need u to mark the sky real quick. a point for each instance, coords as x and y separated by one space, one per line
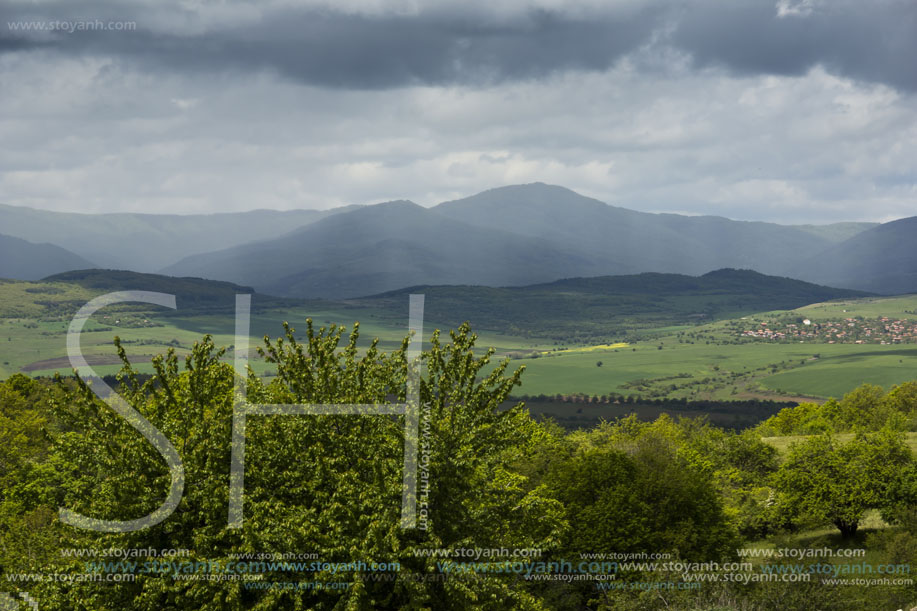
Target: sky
789 111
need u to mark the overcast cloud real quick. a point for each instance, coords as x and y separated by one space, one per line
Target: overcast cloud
787 111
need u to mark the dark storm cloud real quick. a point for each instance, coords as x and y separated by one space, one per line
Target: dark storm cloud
325 48
356 51
870 41
460 44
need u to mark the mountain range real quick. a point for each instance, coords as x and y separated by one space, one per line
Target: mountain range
384 247
148 242
509 236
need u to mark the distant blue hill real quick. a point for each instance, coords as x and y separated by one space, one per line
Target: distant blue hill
24 260
509 236
882 259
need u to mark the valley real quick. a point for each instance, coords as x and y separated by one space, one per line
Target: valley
646 349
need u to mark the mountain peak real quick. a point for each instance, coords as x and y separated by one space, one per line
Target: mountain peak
531 187
732 272
396 203
533 192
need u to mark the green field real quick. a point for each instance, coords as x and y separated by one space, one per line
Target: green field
897 307
715 370
38 347
681 361
836 374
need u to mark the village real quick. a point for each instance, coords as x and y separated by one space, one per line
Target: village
882 330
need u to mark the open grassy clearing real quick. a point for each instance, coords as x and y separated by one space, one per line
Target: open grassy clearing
783 443
716 365
822 538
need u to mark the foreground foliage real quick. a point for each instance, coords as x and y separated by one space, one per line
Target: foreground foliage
328 489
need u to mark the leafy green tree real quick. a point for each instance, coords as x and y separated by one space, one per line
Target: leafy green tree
804 419
325 484
28 537
865 408
902 399
628 488
862 408
901 500
837 483
21 424
740 465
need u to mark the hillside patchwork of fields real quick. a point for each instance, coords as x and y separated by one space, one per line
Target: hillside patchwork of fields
682 359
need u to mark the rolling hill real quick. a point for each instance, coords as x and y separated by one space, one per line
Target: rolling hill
24 260
195 293
601 308
571 311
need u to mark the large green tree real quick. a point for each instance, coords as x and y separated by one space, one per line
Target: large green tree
329 485
649 501
637 487
837 482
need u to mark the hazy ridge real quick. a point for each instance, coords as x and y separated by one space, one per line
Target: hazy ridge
509 236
